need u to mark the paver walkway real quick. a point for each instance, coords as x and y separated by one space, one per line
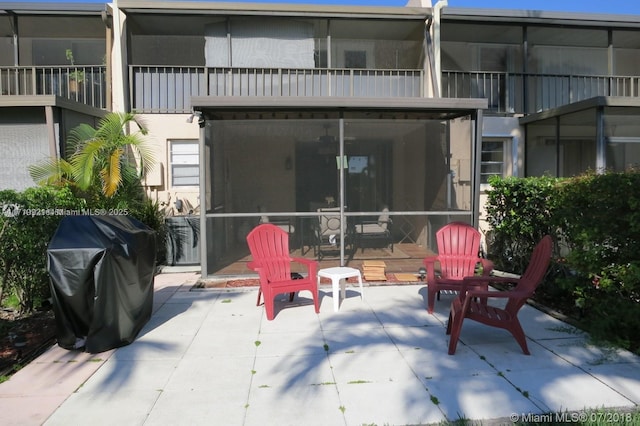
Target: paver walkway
211 357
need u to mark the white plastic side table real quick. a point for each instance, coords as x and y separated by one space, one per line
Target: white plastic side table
338 277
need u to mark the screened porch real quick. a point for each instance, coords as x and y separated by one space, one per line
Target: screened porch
303 166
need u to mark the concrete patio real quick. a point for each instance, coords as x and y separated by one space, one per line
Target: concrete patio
211 357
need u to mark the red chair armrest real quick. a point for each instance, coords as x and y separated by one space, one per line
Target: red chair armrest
490 279
312 265
471 294
430 260
472 286
303 260
487 266
430 264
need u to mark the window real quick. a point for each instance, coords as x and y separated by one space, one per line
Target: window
355 59
185 168
492 162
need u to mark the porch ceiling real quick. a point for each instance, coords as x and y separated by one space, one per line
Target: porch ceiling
49 101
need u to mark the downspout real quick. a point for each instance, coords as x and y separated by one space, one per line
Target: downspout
119 72
435 93
342 165
329 55
16 47
476 160
601 142
51 132
203 173
14 31
108 23
433 44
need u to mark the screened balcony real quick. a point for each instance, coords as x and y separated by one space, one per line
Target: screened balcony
522 93
524 67
174 58
84 84
168 89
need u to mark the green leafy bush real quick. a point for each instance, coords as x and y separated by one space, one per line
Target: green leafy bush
28 222
595 219
30 218
519 212
600 221
100 176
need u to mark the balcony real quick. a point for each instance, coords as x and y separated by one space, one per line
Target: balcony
168 89
528 93
84 84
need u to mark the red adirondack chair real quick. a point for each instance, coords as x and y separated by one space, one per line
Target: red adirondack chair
458 255
467 306
269 247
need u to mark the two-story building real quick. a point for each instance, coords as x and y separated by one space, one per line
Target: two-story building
280 111
52 78
563 88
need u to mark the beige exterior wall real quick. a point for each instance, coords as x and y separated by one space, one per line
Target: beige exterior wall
509 130
163 128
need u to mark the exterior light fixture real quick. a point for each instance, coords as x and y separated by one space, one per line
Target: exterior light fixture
195 114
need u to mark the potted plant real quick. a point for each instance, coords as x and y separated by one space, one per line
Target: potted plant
76 76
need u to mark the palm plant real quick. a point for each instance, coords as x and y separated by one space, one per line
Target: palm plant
52 172
102 158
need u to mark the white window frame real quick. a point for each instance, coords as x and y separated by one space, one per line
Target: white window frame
183 159
507 169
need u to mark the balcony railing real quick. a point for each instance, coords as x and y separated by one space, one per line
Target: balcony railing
85 84
529 93
168 89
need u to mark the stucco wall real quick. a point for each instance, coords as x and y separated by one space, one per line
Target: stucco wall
162 129
507 128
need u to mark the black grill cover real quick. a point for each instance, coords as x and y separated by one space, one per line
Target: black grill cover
102 270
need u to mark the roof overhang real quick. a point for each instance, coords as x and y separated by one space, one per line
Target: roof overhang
438 108
540 17
277 9
50 101
37 8
598 101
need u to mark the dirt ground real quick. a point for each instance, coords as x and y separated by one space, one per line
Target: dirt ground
23 338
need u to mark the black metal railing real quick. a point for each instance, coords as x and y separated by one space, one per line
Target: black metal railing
85 84
529 93
170 88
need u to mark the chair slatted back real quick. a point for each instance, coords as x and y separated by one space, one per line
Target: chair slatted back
534 274
269 247
458 248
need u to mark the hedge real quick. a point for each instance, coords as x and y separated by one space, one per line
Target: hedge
595 221
28 222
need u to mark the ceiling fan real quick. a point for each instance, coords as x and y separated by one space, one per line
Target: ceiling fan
327 138
330 139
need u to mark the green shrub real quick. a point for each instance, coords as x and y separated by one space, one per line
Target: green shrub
149 213
29 220
519 213
596 218
599 217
